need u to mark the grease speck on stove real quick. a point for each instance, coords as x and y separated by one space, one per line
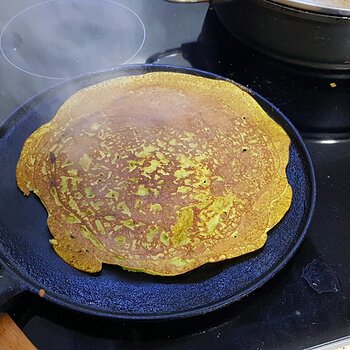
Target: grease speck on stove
321 277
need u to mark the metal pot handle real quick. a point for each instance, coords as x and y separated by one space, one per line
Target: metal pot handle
9 286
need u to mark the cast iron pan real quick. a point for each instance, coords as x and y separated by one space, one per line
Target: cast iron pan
30 264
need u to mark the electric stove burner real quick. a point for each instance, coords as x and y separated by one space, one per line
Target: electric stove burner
59 39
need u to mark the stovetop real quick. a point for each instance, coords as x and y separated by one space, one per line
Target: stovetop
307 302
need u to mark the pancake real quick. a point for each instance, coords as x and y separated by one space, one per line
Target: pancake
160 173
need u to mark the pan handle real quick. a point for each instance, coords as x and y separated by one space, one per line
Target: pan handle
184 50
164 54
9 287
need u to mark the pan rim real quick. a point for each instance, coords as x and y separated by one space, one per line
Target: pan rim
313 8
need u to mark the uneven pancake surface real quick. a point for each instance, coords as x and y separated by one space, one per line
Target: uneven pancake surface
160 173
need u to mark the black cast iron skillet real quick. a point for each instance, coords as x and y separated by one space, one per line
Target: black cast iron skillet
30 264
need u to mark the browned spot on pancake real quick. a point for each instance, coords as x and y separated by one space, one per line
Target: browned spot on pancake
52 157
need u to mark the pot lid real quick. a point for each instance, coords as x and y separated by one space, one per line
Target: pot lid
330 7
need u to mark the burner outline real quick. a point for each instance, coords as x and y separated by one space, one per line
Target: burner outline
62 1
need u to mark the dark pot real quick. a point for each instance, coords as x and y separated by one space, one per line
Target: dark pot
291 30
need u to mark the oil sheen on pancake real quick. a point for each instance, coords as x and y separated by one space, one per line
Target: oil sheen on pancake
161 173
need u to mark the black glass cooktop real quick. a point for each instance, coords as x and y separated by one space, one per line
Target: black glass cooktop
307 302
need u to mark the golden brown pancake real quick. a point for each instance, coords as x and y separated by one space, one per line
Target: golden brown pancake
160 173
